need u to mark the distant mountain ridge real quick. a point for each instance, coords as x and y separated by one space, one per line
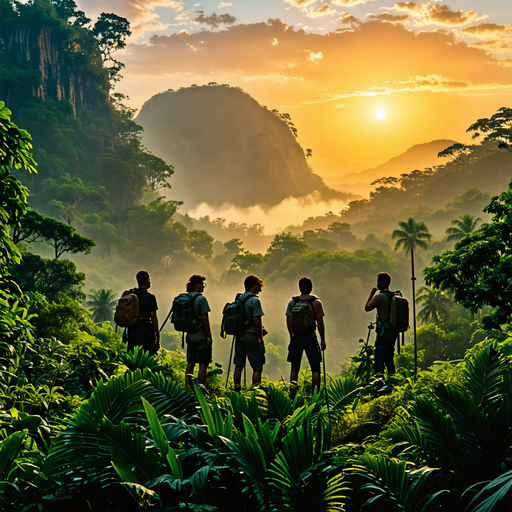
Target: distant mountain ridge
226 148
418 156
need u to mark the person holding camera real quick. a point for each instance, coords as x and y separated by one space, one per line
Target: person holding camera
250 343
386 334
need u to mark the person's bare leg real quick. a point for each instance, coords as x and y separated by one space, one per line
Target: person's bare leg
294 381
201 376
237 375
316 380
189 373
256 376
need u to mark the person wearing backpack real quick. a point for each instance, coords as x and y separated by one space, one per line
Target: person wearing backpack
249 343
199 343
303 315
386 334
145 332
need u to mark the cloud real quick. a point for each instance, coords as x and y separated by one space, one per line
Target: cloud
389 51
300 3
315 56
389 18
486 29
499 46
215 20
348 19
443 15
321 11
224 4
415 8
349 3
436 14
140 13
433 83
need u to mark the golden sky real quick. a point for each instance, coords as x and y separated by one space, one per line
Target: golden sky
434 67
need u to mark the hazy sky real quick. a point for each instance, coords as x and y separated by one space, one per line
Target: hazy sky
433 67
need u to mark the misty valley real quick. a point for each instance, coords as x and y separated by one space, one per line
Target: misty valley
204 203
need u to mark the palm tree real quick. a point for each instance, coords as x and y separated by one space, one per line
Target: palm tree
464 224
102 303
411 235
435 304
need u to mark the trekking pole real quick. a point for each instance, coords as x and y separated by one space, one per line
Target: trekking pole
230 356
325 389
366 354
166 318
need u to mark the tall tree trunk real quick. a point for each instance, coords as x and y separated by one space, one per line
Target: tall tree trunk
413 279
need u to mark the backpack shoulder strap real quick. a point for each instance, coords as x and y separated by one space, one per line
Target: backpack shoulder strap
389 294
312 299
296 299
245 299
192 301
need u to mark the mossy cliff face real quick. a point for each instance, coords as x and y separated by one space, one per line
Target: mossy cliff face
45 57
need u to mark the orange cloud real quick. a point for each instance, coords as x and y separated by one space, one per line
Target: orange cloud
389 18
299 3
370 54
415 8
438 14
486 29
498 46
349 3
348 19
321 11
141 13
443 15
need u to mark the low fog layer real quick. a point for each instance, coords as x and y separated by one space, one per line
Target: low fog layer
226 148
290 211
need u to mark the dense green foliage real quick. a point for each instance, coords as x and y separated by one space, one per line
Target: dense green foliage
479 269
85 425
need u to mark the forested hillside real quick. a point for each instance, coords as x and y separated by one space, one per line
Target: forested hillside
87 425
226 148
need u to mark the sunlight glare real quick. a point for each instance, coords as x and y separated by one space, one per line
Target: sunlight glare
380 114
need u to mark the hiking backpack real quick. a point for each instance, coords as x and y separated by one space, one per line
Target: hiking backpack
234 318
303 316
398 311
183 315
127 309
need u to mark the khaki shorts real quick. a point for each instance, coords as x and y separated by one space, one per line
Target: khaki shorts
199 352
247 345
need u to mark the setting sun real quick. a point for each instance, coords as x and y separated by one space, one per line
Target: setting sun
380 114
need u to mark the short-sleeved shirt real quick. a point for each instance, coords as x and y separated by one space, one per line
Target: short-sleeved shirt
381 302
252 308
147 304
201 306
318 307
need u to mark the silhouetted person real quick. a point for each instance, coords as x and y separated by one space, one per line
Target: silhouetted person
250 343
145 333
199 344
386 335
305 339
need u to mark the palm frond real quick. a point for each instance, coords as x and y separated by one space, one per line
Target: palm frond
343 392
279 405
500 487
483 374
